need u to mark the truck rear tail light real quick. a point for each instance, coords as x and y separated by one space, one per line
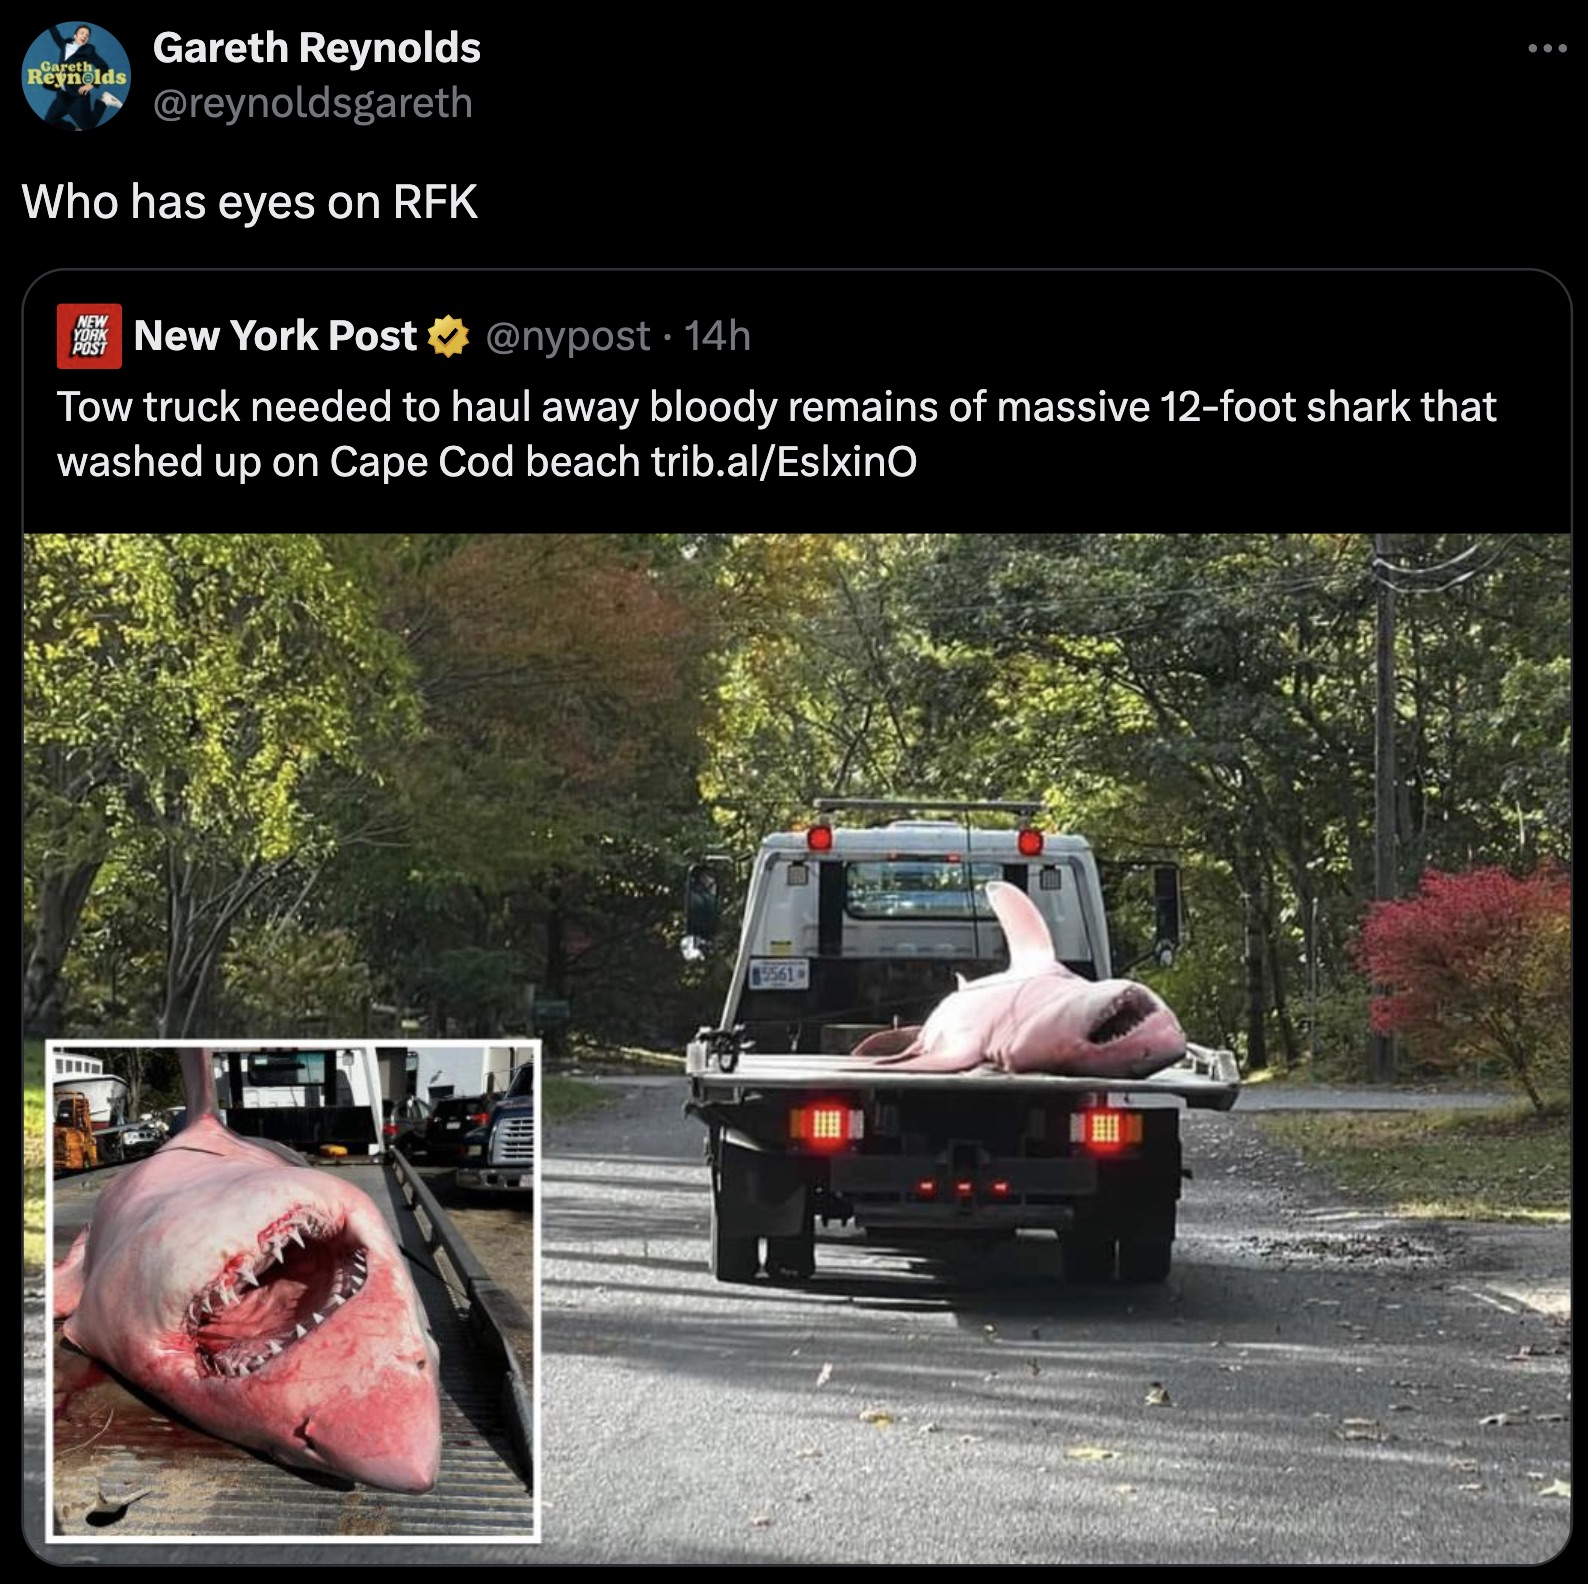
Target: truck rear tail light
826 1125
926 1189
1000 1188
819 838
1102 1130
1029 842
964 1187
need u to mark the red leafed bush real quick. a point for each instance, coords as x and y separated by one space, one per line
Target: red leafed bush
1477 964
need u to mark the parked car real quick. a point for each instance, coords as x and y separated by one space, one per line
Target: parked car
450 1120
404 1125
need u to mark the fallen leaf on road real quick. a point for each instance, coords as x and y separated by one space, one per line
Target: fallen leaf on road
1360 1430
1469 1487
1495 1419
1464 1465
825 1375
1089 1454
876 1416
760 1520
1158 1396
808 1452
1557 1488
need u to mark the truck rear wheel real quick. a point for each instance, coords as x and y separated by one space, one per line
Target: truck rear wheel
1088 1258
1144 1259
734 1258
792 1258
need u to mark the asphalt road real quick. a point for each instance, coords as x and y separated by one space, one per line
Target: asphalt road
1328 1376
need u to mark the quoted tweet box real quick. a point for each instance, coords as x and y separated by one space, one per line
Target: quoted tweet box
1156 397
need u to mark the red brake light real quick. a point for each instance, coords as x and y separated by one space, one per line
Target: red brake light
819 838
1029 842
480 1118
825 1125
1000 1188
389 1130
964 1187
926 1189
1104 1130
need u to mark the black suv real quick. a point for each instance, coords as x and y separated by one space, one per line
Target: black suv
451 1121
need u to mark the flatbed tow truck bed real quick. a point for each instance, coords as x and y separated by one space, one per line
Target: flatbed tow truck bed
1210 1082
123 1467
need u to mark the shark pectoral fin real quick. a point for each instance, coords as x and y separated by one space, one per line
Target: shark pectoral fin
889 1042
69 1277
945 1059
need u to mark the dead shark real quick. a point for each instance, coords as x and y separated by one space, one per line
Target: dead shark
1037 1016
264 1300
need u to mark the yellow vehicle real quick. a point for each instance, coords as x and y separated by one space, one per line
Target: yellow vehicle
75 1147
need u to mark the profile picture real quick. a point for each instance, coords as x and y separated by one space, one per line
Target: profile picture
75 75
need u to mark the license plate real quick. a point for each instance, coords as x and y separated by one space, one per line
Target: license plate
780 973
452 1127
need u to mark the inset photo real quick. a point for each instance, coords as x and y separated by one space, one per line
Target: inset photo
295 1290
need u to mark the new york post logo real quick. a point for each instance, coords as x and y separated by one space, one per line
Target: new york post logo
88 335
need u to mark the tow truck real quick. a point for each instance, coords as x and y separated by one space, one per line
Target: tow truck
850 929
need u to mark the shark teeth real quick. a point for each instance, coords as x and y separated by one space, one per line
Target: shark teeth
1127 1011
237 1358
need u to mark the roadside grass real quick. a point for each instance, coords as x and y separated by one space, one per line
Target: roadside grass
1502 1165
33 1116
565 1098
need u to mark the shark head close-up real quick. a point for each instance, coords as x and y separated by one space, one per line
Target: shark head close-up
265 1301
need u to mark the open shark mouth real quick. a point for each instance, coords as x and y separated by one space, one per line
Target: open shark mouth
307 1268
1129 1010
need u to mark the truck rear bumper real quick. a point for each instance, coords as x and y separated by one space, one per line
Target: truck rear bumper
925 1193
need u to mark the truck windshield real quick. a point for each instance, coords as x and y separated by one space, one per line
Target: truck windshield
918 888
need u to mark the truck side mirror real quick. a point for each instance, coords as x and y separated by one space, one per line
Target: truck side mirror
702 911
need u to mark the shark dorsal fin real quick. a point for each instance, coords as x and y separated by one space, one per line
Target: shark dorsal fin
1025 930
198 1084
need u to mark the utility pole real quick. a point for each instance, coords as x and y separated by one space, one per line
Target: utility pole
1384 879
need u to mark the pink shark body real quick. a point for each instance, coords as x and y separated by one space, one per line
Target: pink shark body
263 1300
1037 1016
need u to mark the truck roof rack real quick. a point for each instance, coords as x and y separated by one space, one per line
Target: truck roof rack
1024 810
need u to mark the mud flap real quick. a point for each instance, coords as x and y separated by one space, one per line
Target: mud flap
758 1193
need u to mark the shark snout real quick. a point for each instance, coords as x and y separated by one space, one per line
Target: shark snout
390 1439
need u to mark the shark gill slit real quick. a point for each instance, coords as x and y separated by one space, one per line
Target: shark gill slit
306 1269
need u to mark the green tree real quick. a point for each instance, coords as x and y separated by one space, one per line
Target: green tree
184 695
